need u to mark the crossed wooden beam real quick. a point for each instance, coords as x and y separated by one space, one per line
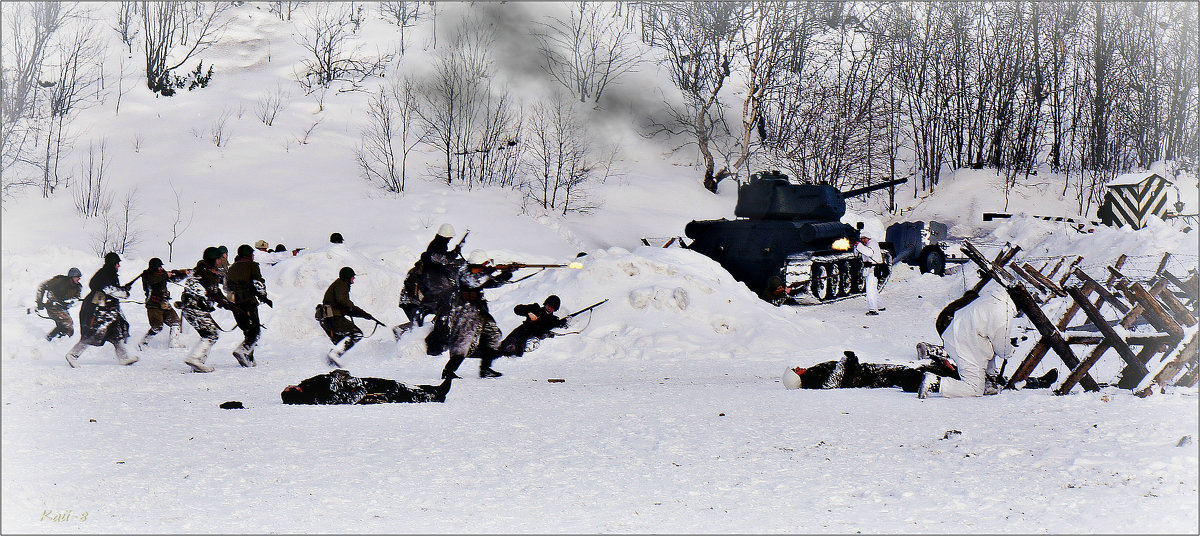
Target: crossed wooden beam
1167 305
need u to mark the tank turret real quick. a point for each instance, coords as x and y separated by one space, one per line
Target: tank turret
787 234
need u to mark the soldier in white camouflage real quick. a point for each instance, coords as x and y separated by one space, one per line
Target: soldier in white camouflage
55 296
100 317
473 330
201 296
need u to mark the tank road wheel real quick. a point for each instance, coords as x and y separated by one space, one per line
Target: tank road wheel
831 286
817 281
845 283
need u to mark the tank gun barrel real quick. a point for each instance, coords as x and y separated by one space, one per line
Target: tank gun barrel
873 187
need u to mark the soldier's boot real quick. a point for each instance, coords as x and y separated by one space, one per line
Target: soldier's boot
145 342
173 334
931 383
199 354
485 365
334 357
54 333
73 354
123 357
244 355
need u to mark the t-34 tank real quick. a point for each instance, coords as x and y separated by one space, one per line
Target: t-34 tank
792 232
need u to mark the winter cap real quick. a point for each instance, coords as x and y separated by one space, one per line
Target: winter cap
552 301
446 230
74 272
791 378
260 244
212 254
245 250
346 273
111 259
335 238
477 256
155 262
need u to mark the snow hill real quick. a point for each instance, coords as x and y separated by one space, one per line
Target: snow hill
670 418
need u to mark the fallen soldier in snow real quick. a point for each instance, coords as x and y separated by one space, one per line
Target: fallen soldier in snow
339 387
849 373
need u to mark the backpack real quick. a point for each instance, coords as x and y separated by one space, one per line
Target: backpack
947 315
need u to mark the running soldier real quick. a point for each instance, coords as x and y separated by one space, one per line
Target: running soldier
100 317
200 292
334 312
246 282
56 295
431 284
473 330
158 303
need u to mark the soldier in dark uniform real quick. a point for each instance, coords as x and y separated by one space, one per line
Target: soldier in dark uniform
473 330
55 296
201 296
100 317
334 314
158 302
339 387
245 281
538 323
431 283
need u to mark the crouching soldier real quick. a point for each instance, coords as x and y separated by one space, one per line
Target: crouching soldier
473 330
55 296
100 317
974 337
334 312
538 323
246 283
200 292
158 303
339 387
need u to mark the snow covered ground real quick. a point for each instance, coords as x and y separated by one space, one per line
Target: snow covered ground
670 418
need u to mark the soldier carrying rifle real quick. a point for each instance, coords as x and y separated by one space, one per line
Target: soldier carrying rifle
56 295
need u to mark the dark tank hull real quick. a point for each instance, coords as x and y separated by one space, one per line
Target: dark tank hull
786 233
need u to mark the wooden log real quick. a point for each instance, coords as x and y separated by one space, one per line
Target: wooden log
1103 292
1063 282
1180 359
1042 345
1024 302
1056 267
1020 272
1153 311
1178 310
1077 373
1141 339
1163 263
1110 334
1045 281
1191 291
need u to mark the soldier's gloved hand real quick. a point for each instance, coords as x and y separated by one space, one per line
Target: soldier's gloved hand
268 302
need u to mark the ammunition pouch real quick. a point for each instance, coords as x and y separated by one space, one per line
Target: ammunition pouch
324 311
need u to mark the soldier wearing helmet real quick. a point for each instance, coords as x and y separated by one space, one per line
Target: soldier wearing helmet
472 329
100 316
55 296
334 313
158 302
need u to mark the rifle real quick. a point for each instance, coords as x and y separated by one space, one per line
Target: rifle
586 309
458 248
129 285
519 265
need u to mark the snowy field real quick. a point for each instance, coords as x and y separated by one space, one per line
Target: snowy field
670 417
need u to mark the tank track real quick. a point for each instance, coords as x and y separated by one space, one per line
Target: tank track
826 276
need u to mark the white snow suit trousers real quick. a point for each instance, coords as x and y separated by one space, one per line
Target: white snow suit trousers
975 338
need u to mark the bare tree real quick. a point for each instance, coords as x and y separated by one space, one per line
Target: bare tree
91 188
76 64
699 40
270 104
391 120
126 26
561 165
179 224
587 50
173 32
282 9
402 13
326 36
218 132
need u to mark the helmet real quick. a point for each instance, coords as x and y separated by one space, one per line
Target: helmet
224 250
279 247
335 238
155 262
791 378
346 273
477 256
552 301
446 230
212 254
111 259
260 244
74 272
245 250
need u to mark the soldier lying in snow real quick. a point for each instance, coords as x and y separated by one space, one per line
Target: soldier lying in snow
339 387
849 373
